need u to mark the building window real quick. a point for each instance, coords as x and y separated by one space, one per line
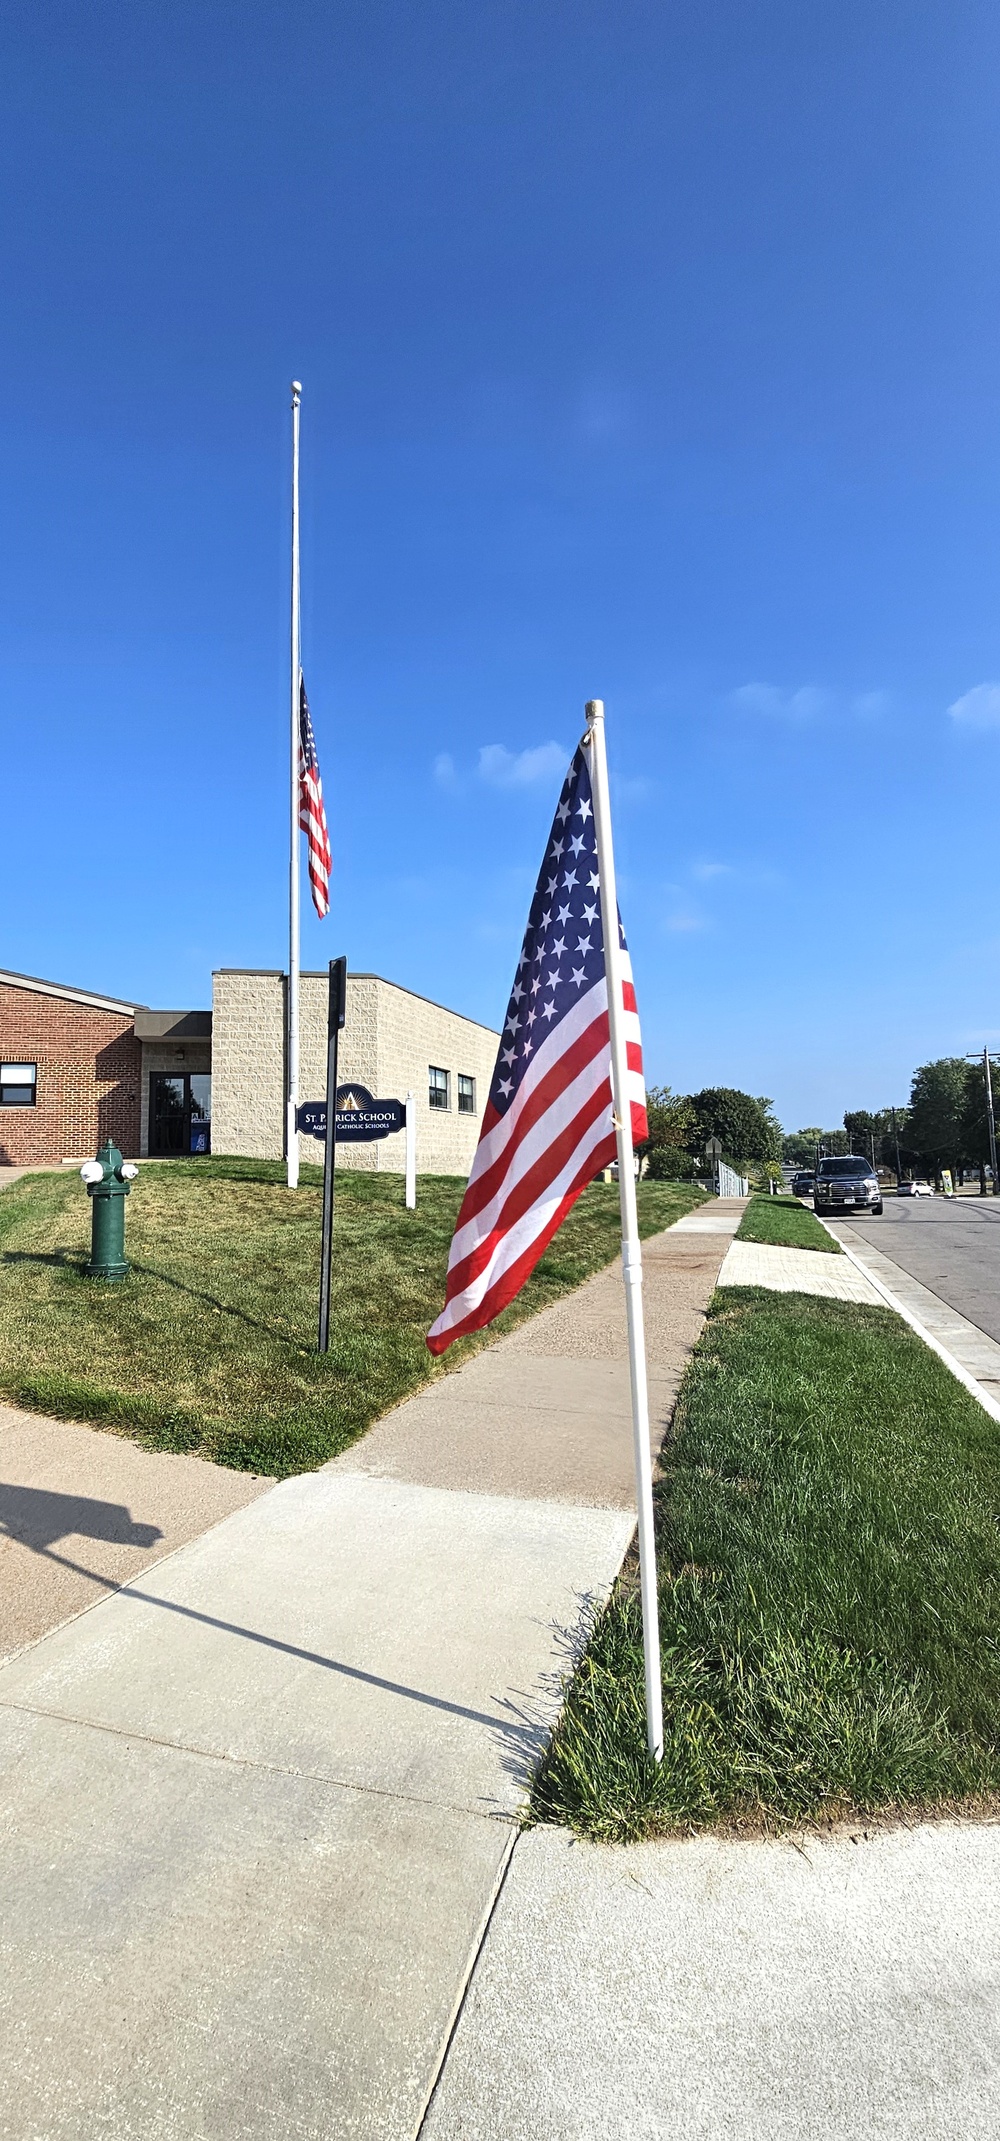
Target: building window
18 1084
438 1087
466 1094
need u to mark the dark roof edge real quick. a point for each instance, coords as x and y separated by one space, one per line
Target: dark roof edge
151 1025
75 996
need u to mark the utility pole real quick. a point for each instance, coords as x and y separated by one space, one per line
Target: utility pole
895 1137
990 1122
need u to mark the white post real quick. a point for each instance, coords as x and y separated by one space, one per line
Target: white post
291 1133
631 1252
411 1153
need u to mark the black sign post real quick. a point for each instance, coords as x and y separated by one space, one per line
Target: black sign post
335 1020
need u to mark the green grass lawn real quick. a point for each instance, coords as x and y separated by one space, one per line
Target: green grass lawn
784 1222
209 1344
829 1560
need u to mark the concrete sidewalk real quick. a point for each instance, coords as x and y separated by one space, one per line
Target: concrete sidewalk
808 1988
802 1271
840 1988
81 1511
259 1802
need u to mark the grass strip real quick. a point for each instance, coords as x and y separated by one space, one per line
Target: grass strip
786 1224
829 1586
210 1343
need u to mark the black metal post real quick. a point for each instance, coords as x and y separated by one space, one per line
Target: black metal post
335 1020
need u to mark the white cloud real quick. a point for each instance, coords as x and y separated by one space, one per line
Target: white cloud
444 771
777 704
978 708
522 769
705 871
680 916
754 874
684 921
632 788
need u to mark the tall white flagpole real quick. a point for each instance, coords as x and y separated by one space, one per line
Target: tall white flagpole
291 1133
631 1252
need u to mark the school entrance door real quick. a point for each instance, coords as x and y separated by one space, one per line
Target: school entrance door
180 1113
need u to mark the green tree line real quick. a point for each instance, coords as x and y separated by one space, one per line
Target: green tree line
680 1125
944 1124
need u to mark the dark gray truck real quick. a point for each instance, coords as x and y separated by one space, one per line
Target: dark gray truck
849 1184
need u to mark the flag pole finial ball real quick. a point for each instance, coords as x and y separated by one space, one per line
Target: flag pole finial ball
296 386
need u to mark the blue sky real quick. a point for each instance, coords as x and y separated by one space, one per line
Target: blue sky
648 353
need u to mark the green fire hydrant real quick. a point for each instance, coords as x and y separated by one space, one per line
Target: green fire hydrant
109 1179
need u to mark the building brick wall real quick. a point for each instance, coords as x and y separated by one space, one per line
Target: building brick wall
390 1039
88 1077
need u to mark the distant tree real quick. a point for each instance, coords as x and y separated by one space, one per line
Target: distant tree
888 1128
671 1120
864 1133
666 1163
767 1171
975 1118
746 1128
777 1134
799 1147
938 1099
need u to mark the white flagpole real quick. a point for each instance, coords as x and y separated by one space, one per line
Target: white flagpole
631 1252
291 1133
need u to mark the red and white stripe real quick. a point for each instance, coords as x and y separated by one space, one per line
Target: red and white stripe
312 819
533 1162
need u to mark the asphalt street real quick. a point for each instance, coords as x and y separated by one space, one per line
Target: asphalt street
950 1244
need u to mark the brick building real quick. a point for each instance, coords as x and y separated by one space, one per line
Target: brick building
77 1068
71 1072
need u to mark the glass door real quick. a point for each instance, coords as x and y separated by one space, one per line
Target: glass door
180 1113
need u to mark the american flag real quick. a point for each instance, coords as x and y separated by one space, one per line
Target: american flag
548 1127
312 816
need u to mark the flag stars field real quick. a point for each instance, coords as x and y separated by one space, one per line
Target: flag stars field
549 1126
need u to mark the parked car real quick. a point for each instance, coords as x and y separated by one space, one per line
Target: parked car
915 1189
847 1184
803 1184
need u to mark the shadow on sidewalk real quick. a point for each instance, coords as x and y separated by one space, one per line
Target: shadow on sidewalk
55 1515
36 1518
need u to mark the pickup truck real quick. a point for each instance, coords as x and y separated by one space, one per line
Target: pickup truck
847 1185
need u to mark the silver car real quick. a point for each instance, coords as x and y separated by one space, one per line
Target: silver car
847 1185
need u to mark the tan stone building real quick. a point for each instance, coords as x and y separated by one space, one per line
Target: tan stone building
76 1068
393 1042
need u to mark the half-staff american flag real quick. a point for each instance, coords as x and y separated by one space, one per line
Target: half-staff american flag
312 816
548 1127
